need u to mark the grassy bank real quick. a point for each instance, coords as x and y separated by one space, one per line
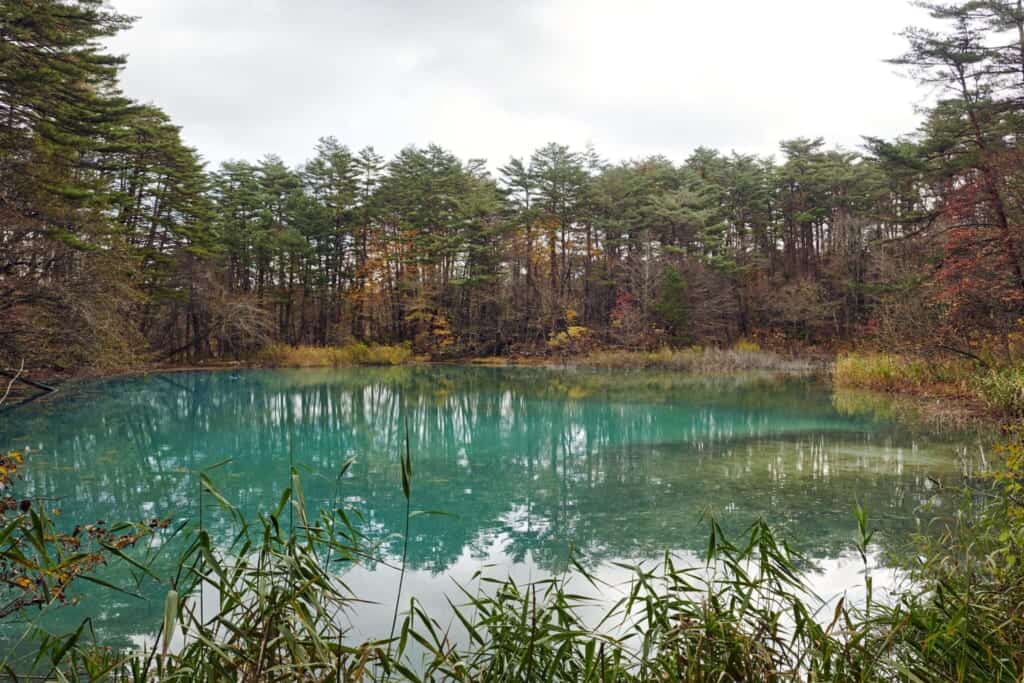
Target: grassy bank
743 357
355 354
697 360
998 387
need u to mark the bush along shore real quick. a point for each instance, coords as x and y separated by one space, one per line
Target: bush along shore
994 385
747 615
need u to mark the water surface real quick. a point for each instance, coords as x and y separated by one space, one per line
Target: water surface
529 465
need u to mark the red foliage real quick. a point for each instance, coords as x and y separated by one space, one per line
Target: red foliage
976 281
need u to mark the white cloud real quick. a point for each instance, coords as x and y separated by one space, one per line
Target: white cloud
489 79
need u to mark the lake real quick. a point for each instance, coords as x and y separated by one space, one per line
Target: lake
529 465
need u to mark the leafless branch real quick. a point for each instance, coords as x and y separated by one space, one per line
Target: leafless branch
11 383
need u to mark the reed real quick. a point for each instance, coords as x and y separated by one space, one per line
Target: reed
746 614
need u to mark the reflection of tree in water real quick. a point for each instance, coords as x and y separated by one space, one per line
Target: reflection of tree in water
615 465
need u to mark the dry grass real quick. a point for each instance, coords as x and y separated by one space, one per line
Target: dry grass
999 387
285 356
894 373
744 357
496 361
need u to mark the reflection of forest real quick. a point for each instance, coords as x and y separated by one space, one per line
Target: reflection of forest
613 465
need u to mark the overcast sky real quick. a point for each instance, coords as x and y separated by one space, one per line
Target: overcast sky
492 79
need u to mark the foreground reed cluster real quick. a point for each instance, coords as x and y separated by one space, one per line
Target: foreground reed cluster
746 614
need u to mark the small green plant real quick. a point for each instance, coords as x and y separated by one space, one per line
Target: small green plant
278 600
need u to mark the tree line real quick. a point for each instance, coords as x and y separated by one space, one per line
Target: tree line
117 243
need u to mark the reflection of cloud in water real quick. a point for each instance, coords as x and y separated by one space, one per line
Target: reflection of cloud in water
519 520
831 579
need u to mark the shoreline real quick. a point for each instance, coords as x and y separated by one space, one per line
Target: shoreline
920 403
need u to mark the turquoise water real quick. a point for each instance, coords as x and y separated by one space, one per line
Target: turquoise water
529 465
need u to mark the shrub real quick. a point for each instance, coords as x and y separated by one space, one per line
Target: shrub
1002 389
746 346
40 560
574 339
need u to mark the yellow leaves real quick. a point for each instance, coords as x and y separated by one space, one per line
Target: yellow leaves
571 339
746 346
547 223
43 561
9 466
576 393
442 332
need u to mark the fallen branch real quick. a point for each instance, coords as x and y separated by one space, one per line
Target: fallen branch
11 383
965 354
15 377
